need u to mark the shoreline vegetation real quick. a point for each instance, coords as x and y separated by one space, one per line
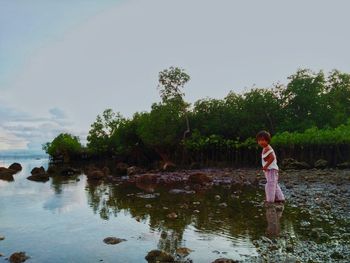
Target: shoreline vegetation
309 119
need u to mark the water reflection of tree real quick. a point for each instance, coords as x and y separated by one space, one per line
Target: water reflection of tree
233 220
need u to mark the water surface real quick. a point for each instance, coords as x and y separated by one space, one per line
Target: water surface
66 220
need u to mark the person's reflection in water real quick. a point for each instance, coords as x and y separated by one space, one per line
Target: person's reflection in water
169 241
273 216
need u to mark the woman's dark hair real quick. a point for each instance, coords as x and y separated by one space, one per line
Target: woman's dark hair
263 135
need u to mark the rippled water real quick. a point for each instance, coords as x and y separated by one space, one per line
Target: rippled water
67 220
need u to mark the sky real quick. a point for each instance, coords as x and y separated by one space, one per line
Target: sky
63 62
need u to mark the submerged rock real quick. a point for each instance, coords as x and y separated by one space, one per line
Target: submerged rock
16 167
199 178
172 215
18 257
181 191
159 256
183 251
224 260
113 240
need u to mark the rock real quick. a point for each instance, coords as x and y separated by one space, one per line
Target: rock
2 238
39 177
159 256
121 168
199 178
106 171
6 174
132 170
113 240
337 255
1 255
289 248
290 163
181 191
183 251
321 164
169 167
224 260
16 167
18 257
147 196
147 179
343 165
217 197
95 175
38 170
172 215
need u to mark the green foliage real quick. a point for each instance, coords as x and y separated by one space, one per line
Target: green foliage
64 144
314 136
162 127
170 83
99 138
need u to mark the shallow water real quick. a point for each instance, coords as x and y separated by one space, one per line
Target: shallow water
67 220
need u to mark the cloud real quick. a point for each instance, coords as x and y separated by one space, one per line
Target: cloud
21 131
57 113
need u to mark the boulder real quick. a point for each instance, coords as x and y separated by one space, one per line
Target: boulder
18 257
169 167
321 164
132 170
16 167
343 165
146 178
290 163
121 168
95 175
39 177
159 256
106 171
6 174
38 170
113 240
199 178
